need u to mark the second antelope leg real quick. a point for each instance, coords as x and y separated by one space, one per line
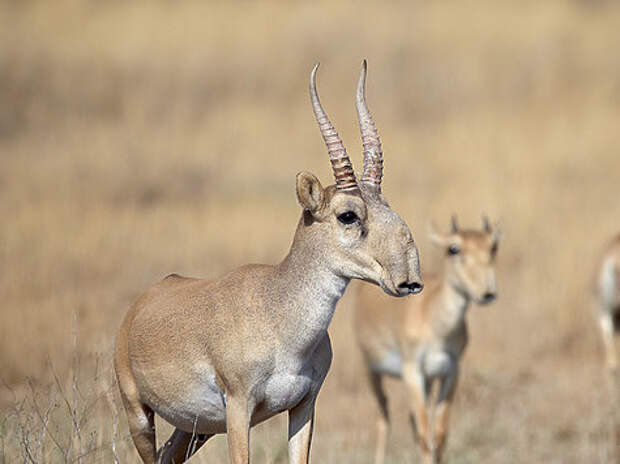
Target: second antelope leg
383 420
417 392
442 416
180 447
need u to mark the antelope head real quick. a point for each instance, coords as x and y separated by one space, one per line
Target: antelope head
470 259
351 223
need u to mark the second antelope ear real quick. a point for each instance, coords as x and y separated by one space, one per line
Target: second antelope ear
310 192
437 238
497 234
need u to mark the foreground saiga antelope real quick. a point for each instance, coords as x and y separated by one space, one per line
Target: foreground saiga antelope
608 300
422 339
219 356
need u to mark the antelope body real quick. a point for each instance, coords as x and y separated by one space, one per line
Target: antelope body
608 300
422 339
218 356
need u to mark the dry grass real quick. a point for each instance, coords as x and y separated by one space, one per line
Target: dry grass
137 140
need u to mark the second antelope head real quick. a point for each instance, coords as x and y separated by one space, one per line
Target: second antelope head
351 222
470 259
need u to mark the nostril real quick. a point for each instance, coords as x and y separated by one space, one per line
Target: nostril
414 287
488 297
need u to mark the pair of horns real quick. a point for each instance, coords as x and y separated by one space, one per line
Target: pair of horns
486 225
341 164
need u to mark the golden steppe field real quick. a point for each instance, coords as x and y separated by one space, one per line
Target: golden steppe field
139 139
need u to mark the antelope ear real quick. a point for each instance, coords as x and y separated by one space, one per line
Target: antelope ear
437 238
441 240
493 230
310 192
497 234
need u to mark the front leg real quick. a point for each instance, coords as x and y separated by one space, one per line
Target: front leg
238 415
444 403
417 396
300 426
301 417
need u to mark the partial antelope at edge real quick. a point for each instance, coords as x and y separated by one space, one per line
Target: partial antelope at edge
607 297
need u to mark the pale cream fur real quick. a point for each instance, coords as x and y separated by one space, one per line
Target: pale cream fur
218 356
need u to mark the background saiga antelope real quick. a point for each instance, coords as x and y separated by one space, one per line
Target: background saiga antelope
218 356
608 300
422 339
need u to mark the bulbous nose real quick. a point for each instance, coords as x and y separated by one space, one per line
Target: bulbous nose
411 287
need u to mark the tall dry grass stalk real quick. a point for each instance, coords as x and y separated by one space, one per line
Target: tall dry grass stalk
73 419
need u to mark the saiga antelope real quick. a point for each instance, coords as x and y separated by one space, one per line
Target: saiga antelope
422 339
219 356
608 300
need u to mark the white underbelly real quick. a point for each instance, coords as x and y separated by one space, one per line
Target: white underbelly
201 408
284 391
390 363
195 404
437 363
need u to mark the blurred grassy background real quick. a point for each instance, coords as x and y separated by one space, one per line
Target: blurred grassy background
154 137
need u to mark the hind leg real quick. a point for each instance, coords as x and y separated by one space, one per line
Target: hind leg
180 447
142 427
140 417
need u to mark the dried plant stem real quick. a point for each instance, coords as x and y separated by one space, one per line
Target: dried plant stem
45 425
115 420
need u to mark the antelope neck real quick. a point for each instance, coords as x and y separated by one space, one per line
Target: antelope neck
308 289
454 301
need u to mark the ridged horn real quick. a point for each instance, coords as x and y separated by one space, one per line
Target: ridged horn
341 164
373 155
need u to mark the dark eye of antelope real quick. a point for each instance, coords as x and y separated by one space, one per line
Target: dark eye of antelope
348 218
453 250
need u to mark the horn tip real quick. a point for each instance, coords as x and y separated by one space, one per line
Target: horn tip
313 74
361 84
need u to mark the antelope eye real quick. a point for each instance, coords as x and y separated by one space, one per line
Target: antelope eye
453 250
348 218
